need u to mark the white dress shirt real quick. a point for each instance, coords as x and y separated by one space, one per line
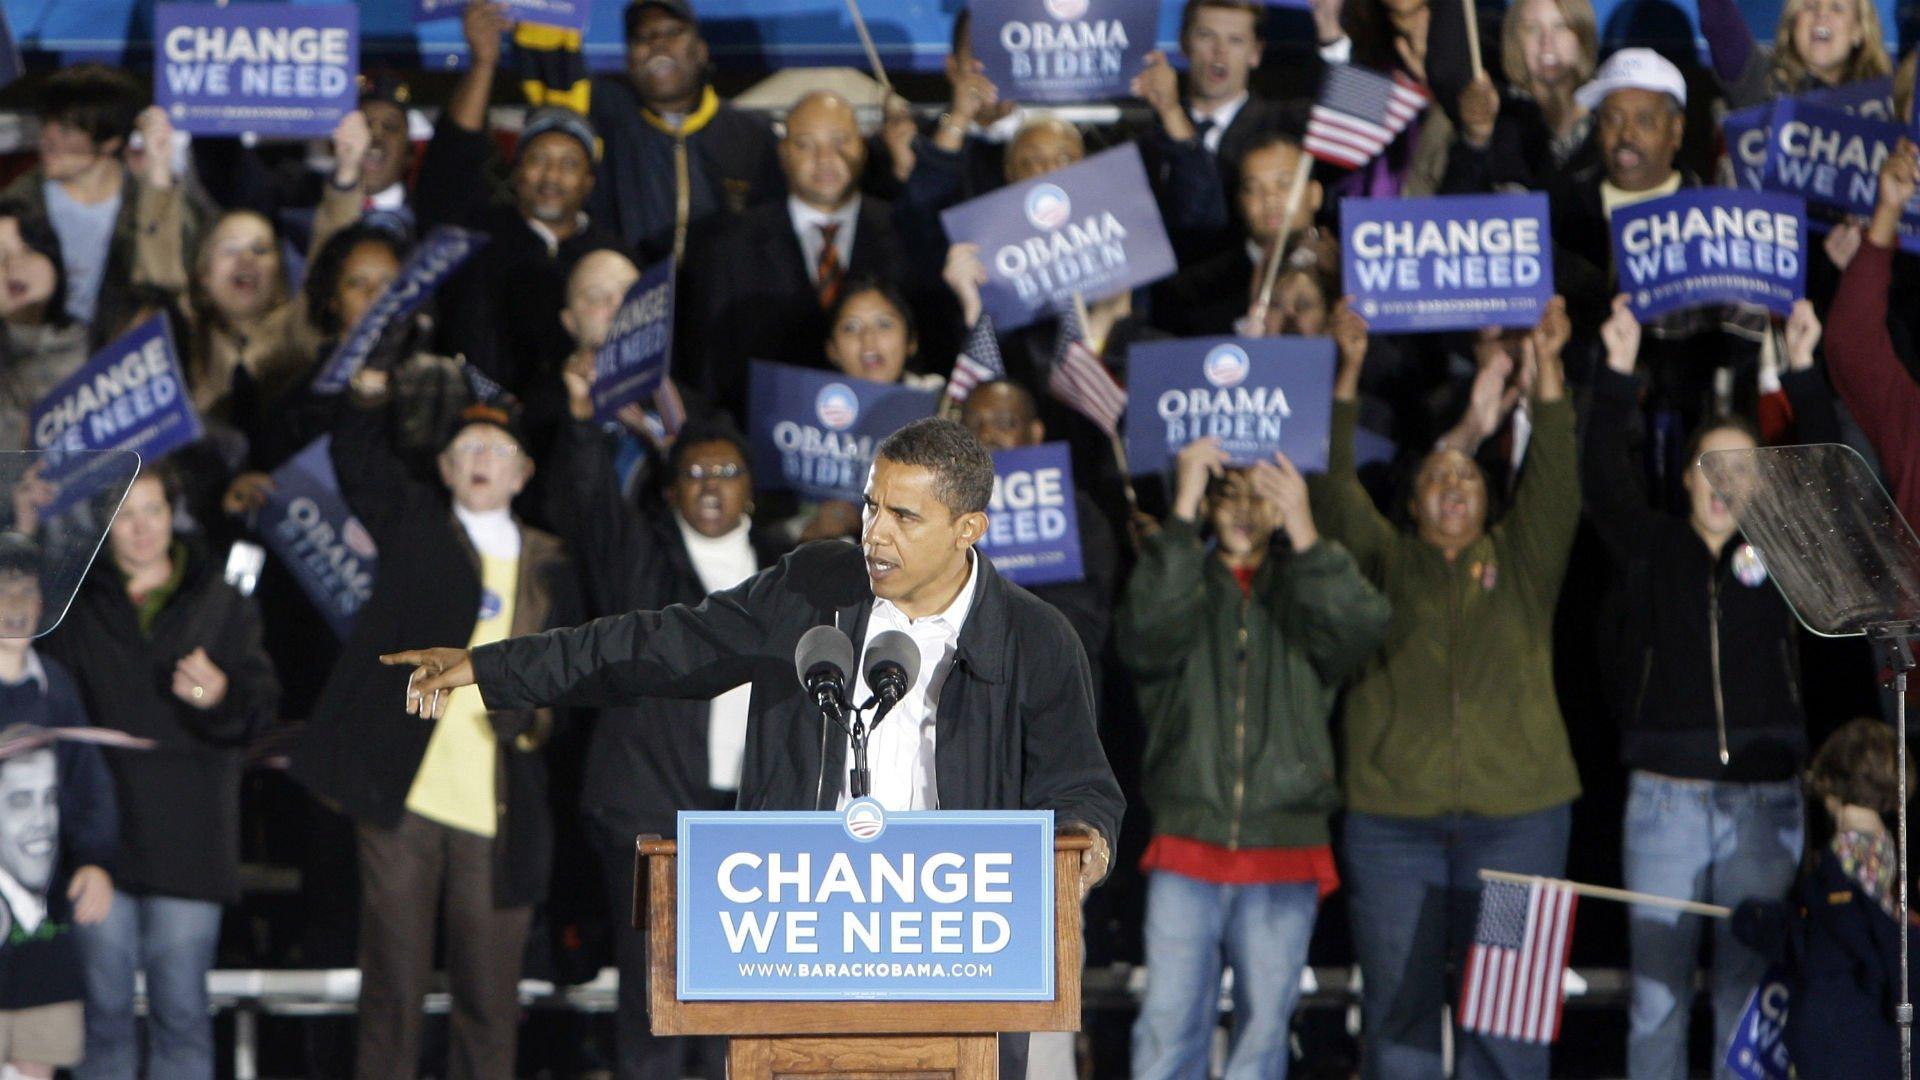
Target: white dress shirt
806 225
1222 117
721 562
900 751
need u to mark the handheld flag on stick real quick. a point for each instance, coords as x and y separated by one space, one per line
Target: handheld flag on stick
979 361
1080 379
1514 970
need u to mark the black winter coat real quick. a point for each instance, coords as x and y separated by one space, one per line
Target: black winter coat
361 751
648 760
179 803
1678 619
1015 727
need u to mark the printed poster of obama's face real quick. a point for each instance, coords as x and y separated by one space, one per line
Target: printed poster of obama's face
29 818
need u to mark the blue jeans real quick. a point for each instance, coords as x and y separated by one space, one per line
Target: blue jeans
1698 840
173 941
1413 892
1261 932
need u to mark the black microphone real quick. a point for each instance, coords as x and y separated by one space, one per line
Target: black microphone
893 664
822 659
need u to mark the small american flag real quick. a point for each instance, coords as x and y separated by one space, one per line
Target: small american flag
1359 113
1082 381
1519 956
979 361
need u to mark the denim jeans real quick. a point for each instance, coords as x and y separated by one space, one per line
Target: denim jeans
1720 843
173 941
1261 932
1413 893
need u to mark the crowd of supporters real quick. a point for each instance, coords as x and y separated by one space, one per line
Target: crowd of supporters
1530 638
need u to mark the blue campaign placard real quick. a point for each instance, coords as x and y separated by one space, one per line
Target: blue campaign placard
1033 528
813 432
130 396
630 365
1758 1048
1746 132
1447 262
309 526
1711 246
1062 51
1832 158
432 262
1256 395
11 66
571 14
268 69
1871 98
1091 228
866 904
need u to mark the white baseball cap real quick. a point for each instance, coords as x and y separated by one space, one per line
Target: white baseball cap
1633 69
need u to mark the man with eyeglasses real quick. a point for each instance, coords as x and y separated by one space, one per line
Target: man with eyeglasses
676 155
449 815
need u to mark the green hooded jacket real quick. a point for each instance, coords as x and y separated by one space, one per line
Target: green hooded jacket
1457 714
1237 689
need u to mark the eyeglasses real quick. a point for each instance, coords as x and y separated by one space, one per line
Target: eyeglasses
711 472
501 451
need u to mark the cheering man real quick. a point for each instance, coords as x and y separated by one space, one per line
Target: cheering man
1001 715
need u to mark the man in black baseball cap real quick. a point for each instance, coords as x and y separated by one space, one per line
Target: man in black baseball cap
665 127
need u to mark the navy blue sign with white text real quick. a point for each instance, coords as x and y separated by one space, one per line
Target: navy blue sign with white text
863 903
308 525
1832 159
1746 133
629 367
1033 529
1450 262
1256 395
1091 228
813 432
432 262
1758 1049
129 396
1707 246
572 14
270 69
1060 51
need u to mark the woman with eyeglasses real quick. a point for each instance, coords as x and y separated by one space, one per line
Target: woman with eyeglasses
648 762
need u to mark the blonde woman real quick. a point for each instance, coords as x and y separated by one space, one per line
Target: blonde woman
1819 44
1535 129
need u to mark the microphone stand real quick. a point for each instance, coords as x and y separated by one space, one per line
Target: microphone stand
859 780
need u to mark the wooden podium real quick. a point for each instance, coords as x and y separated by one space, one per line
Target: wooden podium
855 1040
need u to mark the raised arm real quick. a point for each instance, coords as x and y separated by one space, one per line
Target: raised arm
1344 509
1546 505
1616 500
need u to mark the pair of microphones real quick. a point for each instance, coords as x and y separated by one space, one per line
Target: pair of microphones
824 661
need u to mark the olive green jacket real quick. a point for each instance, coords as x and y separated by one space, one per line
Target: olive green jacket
1457 713
1237 689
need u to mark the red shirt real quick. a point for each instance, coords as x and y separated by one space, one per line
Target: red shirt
1242 866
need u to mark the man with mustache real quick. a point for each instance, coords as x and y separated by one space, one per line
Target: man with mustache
1001 716
501 310
676 154
763 286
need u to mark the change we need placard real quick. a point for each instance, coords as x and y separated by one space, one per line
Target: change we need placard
1059 51
129 396
572 14
269 69
1832 159
813 432
1033 529
1090 228
309 526
1449 262
933 905
1256 395
633 361
1711 246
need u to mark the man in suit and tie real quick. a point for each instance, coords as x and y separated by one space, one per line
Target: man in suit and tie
763 289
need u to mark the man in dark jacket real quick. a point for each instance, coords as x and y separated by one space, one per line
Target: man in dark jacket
502 309
677 156
459 806
1237 655
1013 726
763 287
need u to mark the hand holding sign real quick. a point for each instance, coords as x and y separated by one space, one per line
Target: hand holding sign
1194 467
964 274
1350 337
351 140
1621 335
1281 486
1803 333
1159 87
483 25
156 146
1898 176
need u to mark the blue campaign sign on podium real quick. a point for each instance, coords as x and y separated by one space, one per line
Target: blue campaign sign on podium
864 904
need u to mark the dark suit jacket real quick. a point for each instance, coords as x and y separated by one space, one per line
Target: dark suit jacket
1204 299
751 293
1015 718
